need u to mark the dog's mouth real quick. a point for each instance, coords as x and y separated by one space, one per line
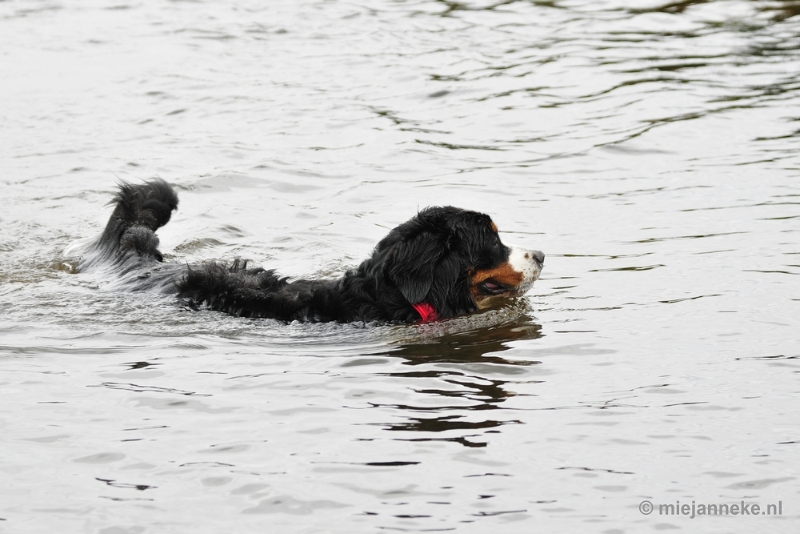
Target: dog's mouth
490 291
492 287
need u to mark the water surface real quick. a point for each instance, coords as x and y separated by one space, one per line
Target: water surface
649 148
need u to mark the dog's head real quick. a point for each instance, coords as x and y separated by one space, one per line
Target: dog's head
453 261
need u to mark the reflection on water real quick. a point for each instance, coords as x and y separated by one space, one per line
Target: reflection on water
475 338
465 357
647 147
471 357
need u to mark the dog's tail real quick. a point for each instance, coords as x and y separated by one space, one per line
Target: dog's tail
129 239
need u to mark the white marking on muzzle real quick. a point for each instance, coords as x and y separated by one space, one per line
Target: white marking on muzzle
528 263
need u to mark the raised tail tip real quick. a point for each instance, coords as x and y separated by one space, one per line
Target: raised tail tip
149 204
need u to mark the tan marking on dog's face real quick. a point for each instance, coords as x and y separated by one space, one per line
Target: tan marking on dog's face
517 275
503 273
494 227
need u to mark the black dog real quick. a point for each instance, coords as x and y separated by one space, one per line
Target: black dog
444 262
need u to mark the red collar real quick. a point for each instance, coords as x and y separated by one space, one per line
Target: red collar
426 312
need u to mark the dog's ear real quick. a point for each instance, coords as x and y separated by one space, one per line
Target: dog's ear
411 264
445 295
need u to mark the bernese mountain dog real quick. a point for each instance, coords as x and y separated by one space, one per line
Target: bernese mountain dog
443 262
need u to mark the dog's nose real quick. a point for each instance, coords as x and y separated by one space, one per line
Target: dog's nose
539 255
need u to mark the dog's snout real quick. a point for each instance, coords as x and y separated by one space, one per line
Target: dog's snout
538 255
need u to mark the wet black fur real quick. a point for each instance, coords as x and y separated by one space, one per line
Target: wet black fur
426 259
